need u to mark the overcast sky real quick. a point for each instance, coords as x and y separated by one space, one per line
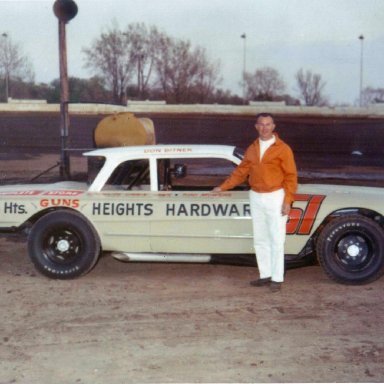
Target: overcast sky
317 35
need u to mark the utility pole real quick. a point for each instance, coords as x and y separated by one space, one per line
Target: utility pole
244 37
6 45
361 38
64 10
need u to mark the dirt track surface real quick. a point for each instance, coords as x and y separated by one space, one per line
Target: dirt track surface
153 323
184 323
180 323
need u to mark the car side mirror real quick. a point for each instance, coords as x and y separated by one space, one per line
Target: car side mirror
179 171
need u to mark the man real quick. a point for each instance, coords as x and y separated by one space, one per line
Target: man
270 168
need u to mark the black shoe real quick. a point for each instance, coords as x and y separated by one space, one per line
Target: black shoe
275 286
260 282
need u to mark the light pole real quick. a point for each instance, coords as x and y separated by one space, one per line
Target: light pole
64 10
5 35
244 37
361 38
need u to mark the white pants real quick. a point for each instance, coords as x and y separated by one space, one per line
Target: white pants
269 228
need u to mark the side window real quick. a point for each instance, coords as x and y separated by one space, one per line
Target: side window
200 174
130 175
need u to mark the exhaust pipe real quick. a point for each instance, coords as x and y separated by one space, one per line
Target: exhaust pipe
162 257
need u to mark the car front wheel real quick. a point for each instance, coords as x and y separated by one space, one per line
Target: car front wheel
351 250
63 245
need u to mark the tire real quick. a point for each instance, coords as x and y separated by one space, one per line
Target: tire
351 250
63 245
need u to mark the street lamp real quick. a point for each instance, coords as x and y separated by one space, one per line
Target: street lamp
5 35
361 38
64 10
244 37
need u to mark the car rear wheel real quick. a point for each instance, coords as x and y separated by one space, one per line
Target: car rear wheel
351 250
63 245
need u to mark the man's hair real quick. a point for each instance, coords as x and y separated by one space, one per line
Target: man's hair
265 114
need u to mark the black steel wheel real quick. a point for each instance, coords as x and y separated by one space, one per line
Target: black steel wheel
63 245
351 250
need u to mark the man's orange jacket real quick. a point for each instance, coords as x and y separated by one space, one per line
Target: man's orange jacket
276 169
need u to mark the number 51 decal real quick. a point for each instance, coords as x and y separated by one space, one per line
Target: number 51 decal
301 220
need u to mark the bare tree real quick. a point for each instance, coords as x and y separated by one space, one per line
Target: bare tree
184 74
372 95
110 57
144 46
311 88
264 84
13 64
125 56
207 77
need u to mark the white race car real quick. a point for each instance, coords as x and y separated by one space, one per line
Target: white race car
154 203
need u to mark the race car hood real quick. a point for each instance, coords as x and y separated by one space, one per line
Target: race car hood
55 188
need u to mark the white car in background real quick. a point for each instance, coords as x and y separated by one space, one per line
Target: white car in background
154 203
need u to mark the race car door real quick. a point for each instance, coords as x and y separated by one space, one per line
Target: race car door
190 218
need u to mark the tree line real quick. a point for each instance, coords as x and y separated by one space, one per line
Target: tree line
143 63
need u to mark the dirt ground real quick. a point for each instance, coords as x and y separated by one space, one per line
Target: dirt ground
150 323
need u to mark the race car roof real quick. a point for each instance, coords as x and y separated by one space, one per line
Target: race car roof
169 151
